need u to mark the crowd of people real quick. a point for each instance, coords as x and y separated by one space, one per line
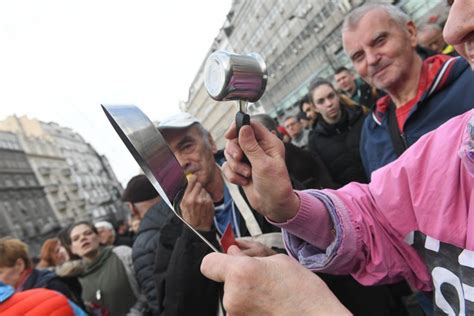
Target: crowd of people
358 204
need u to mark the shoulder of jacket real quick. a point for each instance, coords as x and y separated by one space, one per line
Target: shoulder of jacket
122 251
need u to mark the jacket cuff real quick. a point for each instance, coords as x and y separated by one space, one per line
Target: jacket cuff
344 244
310 208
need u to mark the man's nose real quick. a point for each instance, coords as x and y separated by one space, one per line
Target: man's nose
181 159
454 31
372 57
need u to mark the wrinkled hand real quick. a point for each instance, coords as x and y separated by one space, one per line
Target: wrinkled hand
197 208
275 285
254 248
266 182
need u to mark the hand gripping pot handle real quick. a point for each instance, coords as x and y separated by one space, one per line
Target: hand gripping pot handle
229 76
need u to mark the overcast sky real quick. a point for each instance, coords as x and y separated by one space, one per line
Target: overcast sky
59 60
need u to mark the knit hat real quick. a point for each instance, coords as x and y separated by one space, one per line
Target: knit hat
180 120
139 189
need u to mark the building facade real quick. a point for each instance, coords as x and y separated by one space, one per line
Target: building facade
79 183
25 211
299 41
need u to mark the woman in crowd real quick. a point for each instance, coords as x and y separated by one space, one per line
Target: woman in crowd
108 281
50 255
17 271
336 135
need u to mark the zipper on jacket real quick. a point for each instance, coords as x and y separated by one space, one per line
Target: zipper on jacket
404 140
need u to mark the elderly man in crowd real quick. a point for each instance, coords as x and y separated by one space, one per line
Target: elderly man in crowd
362 228
212 206
108 236
380 40
145 203
106 233
430 35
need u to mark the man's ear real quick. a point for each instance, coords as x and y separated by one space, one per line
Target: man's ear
134 209
212 143
412 33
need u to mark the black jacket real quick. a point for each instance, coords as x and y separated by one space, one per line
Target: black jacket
182 289
307 168
338 146
144 249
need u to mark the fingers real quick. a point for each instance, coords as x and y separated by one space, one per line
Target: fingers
249 145
195 191
244 244
234 177
197 208
241 168
235 251
215 266
231 132
233 150
254 248
192 180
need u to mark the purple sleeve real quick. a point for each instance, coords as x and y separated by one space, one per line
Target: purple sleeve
310 210
320 233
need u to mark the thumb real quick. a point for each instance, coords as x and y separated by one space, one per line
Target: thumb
215 266
249 144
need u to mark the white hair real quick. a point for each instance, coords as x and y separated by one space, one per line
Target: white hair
354 17
105 224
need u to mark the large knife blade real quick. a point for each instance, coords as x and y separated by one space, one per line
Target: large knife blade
153 155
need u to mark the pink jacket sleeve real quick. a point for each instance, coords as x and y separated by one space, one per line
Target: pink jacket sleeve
428 189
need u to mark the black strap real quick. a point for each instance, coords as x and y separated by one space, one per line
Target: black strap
399 144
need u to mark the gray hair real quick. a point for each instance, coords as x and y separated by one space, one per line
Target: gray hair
354 17
204 133
267 121
105 224
429 27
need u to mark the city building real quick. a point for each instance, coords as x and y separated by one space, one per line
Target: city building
25 212
299 40
79 183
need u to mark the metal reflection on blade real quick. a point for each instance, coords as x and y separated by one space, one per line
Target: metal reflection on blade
152 153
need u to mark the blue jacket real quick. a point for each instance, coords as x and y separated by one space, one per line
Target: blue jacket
450 94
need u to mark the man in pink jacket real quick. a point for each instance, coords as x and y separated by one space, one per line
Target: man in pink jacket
413 221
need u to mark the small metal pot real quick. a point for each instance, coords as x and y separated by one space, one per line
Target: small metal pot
229 76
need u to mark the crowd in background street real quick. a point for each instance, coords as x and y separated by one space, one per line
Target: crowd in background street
360 203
